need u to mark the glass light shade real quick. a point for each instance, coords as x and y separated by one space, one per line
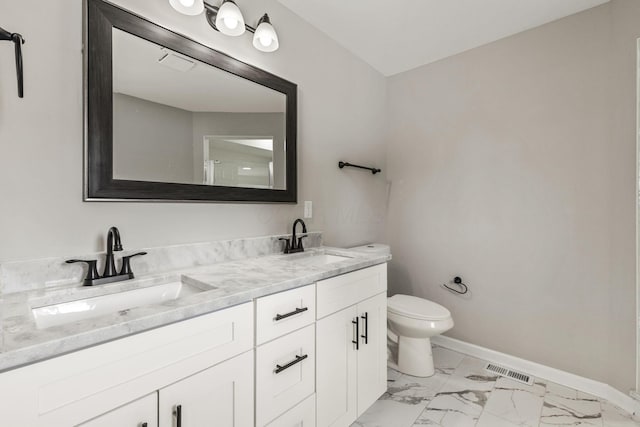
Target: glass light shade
229 19
265 37
188 7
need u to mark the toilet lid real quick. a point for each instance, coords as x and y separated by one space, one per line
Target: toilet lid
418 308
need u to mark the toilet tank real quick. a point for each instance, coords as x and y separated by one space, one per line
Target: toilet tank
373 248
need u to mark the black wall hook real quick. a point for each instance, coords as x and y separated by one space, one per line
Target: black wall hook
18 41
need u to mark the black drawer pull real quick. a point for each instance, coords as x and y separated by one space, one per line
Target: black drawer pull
357 340
292 313
290 364
178 415
366 328
143 425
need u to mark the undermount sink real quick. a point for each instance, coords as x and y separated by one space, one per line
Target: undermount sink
319 259
87 308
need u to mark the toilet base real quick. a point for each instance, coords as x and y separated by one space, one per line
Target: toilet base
415 357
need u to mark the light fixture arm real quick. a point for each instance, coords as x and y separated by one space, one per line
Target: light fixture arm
212 11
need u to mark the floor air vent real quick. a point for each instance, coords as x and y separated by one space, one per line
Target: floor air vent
514 375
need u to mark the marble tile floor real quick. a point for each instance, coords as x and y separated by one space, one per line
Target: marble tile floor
463 394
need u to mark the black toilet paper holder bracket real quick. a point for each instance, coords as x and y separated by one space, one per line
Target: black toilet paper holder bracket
458 281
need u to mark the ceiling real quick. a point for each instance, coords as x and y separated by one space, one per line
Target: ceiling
396 36
203 88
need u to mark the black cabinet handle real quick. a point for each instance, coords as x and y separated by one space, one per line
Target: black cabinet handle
365 316
143 425
292 313
178 414
357 340
290 364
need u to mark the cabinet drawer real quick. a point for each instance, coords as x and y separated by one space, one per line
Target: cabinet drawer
301 415
340 292
285 373
285 312
143 411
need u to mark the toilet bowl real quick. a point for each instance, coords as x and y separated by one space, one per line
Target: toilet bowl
413 321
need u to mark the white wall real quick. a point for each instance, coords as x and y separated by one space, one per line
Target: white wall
340 116
513 165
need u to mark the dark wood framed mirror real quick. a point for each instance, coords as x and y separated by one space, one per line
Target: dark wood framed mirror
169 119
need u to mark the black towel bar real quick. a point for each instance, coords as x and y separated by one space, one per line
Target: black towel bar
373 170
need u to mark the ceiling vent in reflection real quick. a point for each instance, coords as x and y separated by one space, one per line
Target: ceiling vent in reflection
175 62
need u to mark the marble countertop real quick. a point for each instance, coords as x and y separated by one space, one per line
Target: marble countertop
223 285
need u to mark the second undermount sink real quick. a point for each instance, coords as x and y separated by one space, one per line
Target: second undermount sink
318 259
81 309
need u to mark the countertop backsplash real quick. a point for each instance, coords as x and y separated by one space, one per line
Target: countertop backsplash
30 275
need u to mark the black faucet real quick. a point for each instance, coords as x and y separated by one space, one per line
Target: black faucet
110 274
109 264
295 245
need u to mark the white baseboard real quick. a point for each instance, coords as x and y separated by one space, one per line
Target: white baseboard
596 388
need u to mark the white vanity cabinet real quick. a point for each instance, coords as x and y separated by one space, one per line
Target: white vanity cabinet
222 394
102 381
351 345
285 358
313 355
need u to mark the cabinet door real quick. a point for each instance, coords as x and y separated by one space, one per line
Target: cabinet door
220 396
140 413
372 355
336 369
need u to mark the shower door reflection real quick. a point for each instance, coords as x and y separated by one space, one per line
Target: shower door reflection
240 161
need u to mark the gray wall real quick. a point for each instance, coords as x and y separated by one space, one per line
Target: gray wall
41 139
151 141
513 165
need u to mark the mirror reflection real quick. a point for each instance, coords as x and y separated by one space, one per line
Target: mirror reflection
179 120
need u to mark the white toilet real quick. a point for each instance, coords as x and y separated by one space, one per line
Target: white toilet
413 321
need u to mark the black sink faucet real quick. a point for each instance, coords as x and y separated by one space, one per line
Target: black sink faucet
293 235
109 264
110 273
295 245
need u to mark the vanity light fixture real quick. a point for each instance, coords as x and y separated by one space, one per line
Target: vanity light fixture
228 20
188 7
265 37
